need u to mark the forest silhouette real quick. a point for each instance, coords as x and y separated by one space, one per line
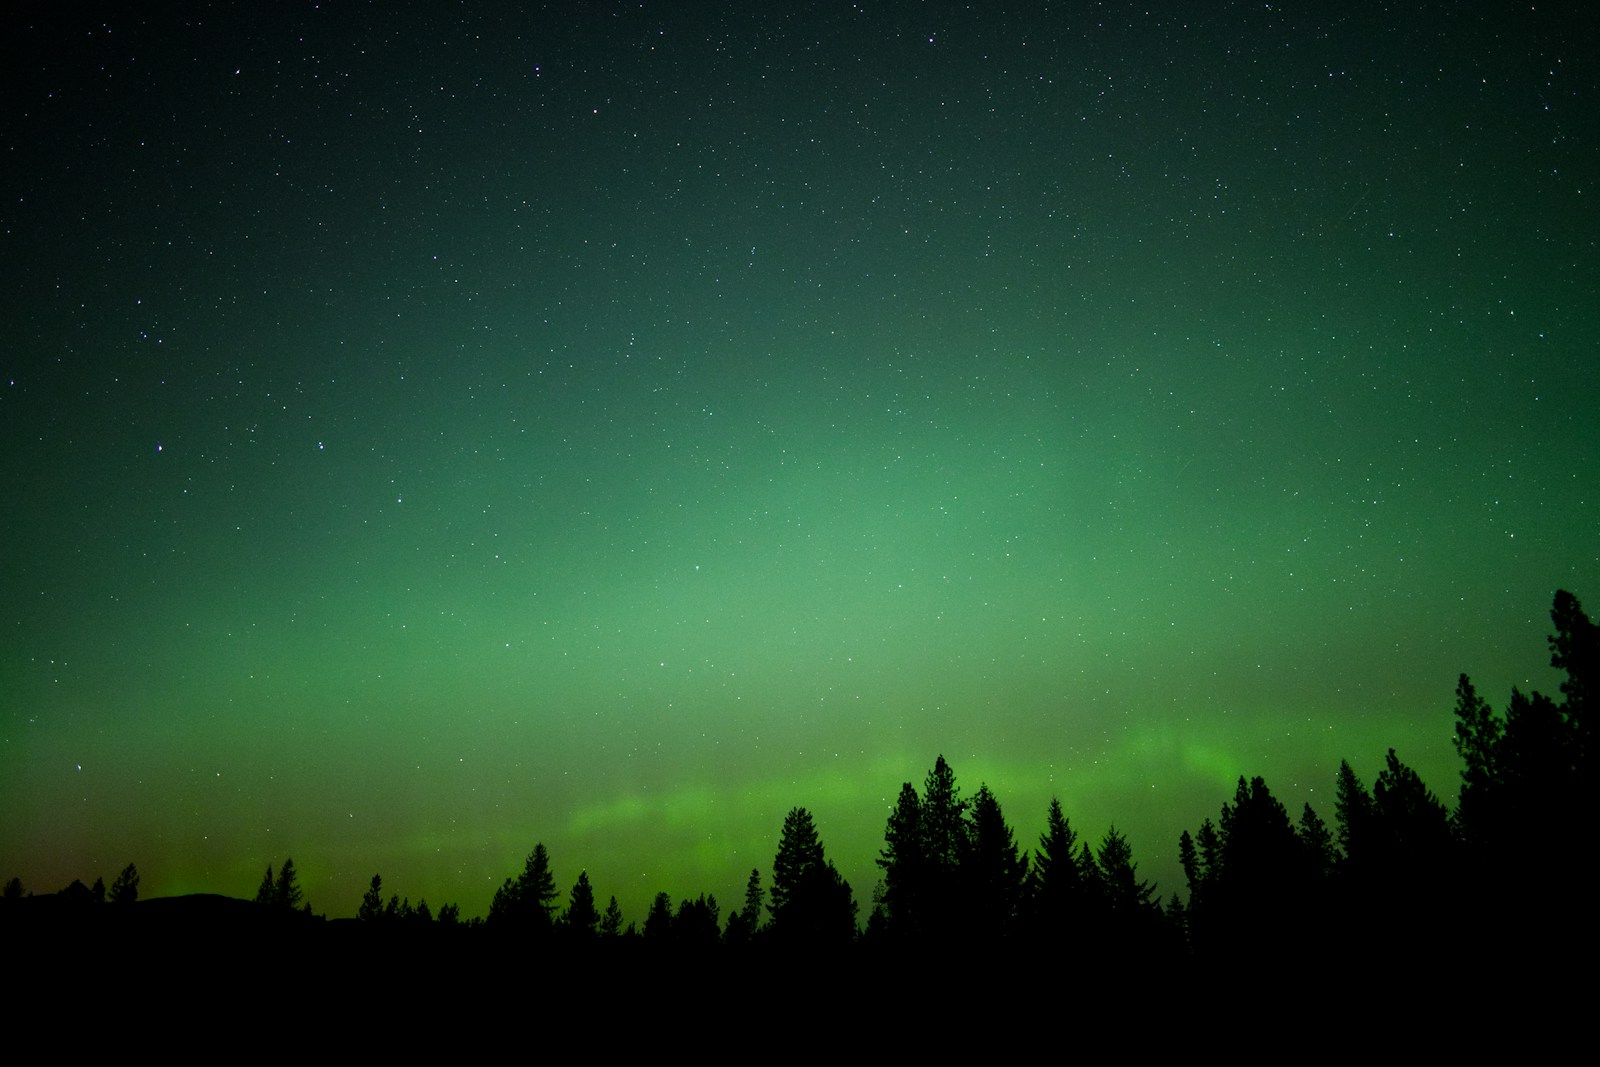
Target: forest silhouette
1397 876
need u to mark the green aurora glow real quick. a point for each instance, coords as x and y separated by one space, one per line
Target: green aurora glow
616 429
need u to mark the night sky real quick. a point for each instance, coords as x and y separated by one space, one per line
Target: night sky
425 435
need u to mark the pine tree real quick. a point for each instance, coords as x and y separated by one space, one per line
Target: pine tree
798 851
529 900
904 865
753 895
287 895
371 909
1056 859
1575 649
611 921
1416 826
1124 892
536 887
944 820
267 893
581 917
697 925
1316 840
125 890
1193 873
1259 849
1353 815
992 871
658 923
811 904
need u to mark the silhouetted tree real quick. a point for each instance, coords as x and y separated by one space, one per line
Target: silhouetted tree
371 909
811 904
944 823
1353 814
283 892
529 901
14 889
798 850
744 924
992 871
925 843
1249 879
1316 841
1128 929
1122 889
1478 735
904 864
1193 873
125 890
753 895
658 923
267 892
611 921
287 895
581 917
1058 877
698 924
1575 649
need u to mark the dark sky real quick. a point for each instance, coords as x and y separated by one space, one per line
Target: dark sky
426 434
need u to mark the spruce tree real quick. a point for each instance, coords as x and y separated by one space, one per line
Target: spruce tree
287 895
798 851
125 890
904 865
371 909
611 921
582 917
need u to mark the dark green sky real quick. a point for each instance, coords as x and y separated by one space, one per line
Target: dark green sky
426 435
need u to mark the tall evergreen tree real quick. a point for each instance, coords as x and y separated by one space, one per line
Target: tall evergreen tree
1477 740
287 895
1056 859
753 896
904 864
992 870
798 851
582 918
944 821
1193 873
611 921
811 904
1316 841
537 886
1575 649
1353 815
697 925
125 890
529 900
267 892
1259 849
658 922
1122 889
371 909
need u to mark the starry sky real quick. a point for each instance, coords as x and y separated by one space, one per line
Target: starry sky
431 431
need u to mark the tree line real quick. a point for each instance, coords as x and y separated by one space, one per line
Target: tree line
1259 884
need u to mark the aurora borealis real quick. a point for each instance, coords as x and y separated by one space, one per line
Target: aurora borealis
614 425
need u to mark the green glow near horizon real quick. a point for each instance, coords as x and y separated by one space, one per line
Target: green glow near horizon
685 435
